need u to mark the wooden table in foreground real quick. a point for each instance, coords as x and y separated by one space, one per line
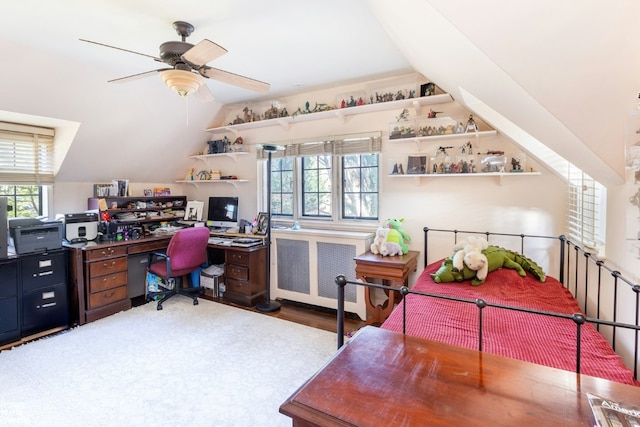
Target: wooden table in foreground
383 378
393 269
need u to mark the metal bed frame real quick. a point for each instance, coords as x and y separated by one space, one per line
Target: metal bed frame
581 272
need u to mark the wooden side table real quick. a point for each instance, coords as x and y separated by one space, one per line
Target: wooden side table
394 269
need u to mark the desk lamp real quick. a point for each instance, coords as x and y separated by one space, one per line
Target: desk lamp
267 305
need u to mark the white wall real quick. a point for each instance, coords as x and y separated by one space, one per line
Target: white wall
530 204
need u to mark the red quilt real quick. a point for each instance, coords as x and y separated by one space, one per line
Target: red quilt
539 339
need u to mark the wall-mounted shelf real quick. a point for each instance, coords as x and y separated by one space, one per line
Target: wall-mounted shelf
195 182
418 140
233 155
499 175
339 113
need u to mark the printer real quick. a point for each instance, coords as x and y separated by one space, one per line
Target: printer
34 235
80 227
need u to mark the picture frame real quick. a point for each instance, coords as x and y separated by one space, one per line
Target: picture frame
148 192
193 211
263 223
417 165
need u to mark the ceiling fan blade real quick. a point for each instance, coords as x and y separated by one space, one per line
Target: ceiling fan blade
204 94
138 76
234 79
203 52
125 50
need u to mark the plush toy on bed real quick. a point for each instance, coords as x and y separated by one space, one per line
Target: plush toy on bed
495 257
471 244
397 235
478 259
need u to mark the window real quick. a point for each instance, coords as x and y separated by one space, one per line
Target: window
317 186
306 184
282 186
585 211
360 190
26 164
25 200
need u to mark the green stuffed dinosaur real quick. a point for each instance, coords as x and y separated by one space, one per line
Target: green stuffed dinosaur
397 235
478 265
448 273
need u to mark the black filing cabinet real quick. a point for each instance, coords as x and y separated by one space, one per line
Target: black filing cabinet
9 306
44 291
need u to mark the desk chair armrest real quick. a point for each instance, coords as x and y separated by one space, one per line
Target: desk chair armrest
158 256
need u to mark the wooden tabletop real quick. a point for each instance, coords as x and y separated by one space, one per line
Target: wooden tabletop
383 378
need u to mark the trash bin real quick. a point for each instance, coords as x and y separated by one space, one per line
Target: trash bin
212 278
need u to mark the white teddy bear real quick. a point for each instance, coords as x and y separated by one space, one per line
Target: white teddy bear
379 240
469 252
381 246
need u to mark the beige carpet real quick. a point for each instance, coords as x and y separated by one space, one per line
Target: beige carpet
204 365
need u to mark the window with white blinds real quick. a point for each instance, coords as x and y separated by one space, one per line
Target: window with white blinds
26 155
331 178
585 210
336 145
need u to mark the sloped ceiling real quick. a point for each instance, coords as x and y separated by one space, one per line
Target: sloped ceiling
562 72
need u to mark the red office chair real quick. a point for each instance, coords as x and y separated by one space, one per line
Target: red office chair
187 251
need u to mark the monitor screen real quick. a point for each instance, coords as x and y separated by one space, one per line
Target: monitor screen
222 212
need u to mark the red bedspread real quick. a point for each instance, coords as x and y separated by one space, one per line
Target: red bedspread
539 339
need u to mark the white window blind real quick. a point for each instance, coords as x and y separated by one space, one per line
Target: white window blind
26 155
338 145
584 211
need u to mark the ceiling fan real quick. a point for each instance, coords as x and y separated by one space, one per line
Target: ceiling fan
188 65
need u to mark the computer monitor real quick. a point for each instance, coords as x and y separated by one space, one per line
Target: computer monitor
222 212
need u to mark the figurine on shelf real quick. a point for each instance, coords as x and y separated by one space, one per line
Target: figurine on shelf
191 171
432 114
403 116
471 124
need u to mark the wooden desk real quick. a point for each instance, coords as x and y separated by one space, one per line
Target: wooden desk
394 269
383 378
100 274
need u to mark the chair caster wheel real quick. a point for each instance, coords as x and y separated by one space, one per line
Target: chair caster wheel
159 307
195 302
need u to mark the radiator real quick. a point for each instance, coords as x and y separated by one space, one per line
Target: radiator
305 263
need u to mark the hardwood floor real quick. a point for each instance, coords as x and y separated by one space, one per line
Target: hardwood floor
305 314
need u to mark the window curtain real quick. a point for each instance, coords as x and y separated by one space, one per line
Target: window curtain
338 145
26 155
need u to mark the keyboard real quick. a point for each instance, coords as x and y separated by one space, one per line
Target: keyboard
220 241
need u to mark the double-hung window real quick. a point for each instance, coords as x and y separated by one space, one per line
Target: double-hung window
26 167
331 179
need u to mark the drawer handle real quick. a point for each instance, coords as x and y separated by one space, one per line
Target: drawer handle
108 251
44 273
109 295
112 278
113 264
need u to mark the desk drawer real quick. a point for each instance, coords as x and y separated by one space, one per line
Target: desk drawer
110 281
238 287
107 297
107 252
108 266
237 272
238 257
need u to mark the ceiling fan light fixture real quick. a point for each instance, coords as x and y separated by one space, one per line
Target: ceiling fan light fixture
182 82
